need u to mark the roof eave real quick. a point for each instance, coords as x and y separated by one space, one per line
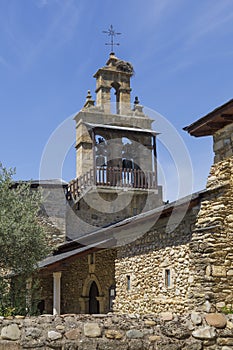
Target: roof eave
213 121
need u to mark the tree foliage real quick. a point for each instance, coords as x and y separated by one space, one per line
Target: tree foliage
22 238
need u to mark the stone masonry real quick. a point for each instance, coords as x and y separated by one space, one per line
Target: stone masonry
145 262
76 280
223 143
212 245
165 331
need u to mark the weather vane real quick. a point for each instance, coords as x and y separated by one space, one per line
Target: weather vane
112 33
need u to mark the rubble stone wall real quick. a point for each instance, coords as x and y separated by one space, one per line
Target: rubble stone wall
165 331
141 267
223 143
76 281
212 245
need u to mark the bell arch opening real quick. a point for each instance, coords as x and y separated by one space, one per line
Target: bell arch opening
115 97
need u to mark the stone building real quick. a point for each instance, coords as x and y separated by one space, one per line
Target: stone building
121 250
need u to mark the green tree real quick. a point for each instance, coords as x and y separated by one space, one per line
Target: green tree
22 239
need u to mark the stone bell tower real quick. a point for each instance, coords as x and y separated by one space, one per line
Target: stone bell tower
115 75
116 166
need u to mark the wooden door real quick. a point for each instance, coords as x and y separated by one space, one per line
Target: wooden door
93 302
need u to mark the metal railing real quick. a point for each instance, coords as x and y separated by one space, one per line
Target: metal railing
112 177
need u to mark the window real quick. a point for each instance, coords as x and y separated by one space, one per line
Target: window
167 277
92 259
128 283
112 294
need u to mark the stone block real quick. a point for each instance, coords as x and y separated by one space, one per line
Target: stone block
92 330
204 333
53 335
216 320
32 332
229 325
218 145
11 332
73 334
225 341
166 316
218 271
134 334
154 338
112 334
196 318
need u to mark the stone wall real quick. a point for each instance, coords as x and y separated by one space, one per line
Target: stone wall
100 208
165 331
212 246
53 212
141 268
223 143
76 280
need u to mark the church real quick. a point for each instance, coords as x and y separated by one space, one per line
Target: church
119 247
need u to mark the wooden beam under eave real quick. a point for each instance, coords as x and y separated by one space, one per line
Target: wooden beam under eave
228 117
217 125
203 132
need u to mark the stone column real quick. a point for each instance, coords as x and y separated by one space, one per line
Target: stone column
84 301
56 293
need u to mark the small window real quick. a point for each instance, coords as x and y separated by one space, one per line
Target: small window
128 283
112 294
135 211
91 259
167 277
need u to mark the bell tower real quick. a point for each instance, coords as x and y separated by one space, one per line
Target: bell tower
115 151
115 75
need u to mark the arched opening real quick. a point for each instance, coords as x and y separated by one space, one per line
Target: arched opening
101 159
100 151
127 156
115 106
93 302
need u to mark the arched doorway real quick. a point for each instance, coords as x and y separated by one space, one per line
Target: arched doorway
93 302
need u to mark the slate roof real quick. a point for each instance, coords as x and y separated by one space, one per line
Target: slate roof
117 234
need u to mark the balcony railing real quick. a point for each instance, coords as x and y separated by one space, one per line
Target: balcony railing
112 177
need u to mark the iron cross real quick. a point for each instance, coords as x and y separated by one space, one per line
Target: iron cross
112 33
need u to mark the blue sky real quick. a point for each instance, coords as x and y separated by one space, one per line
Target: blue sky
181 50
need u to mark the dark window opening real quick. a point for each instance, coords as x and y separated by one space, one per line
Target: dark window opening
128 283
168 278
41 307
92 259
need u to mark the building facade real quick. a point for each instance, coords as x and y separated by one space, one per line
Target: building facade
122 252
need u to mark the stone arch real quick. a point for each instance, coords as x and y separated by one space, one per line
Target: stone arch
116 86
84 300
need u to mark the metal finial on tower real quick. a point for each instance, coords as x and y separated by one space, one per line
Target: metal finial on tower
112 33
